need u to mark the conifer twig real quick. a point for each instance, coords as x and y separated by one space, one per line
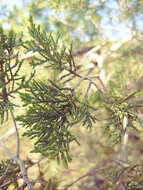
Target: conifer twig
80 81
9 182
20 163
5 172
88 89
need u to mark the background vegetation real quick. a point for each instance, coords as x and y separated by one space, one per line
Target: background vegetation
80 73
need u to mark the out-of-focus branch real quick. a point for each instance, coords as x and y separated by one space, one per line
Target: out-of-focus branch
17 134
4 174
9 182
123 6
9 133
20 163
63 21
123 156
88 174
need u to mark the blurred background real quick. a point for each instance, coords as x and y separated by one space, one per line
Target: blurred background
107 36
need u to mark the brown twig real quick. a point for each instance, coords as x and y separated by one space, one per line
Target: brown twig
88 89
10 181
4 174
76 181
86 175
20 163
80 81
91 81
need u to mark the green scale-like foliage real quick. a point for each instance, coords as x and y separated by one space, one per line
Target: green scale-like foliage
51 112
119 110
48 49
9 173
51 108
10 64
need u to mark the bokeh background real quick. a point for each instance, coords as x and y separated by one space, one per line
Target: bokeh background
107 35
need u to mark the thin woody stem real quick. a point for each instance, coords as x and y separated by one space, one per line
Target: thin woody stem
20 163
17 134
87 174
123 156
91 81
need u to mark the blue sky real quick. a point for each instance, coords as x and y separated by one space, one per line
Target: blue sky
110 32
11 3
